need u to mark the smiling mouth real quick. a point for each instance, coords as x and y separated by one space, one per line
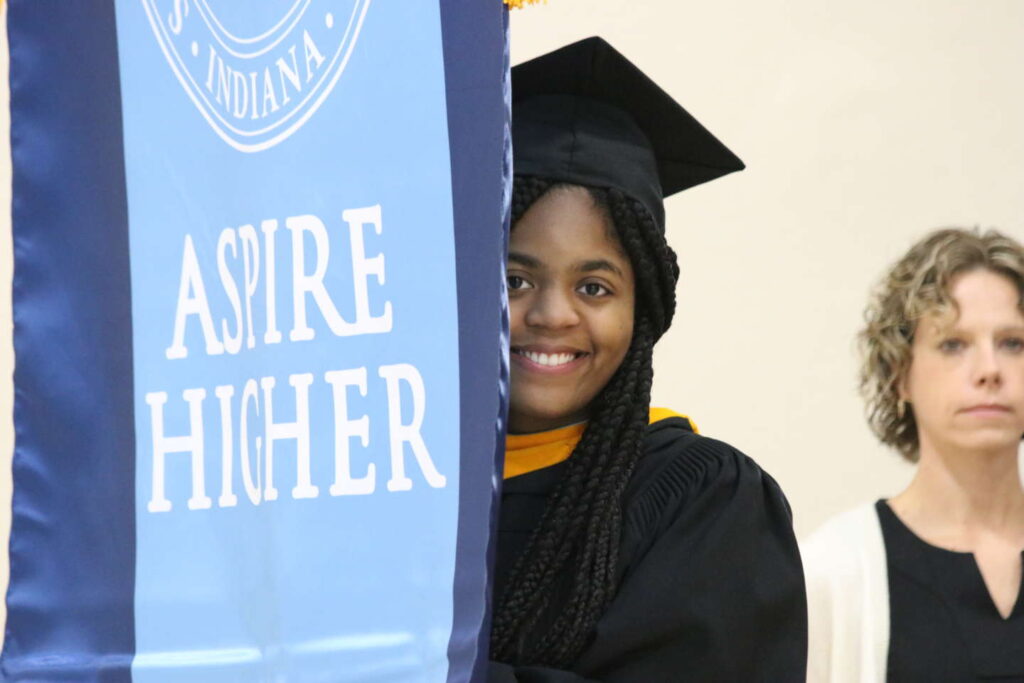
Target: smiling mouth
548 360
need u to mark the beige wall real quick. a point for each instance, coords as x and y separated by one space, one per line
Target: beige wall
863 125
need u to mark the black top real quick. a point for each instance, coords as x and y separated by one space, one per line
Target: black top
943 623
711 584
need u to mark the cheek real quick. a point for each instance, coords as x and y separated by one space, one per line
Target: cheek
618 338
626 337
933 389
516 311
926 377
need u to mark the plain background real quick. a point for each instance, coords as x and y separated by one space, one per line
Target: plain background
863 125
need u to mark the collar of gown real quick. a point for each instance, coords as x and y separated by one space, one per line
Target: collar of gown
525 453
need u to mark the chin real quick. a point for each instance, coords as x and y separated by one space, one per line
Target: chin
991 442
546 415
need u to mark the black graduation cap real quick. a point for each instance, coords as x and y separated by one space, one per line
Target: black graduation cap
584 114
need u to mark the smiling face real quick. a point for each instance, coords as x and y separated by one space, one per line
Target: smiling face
966 377
571 296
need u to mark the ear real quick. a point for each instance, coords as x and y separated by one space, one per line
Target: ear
903 386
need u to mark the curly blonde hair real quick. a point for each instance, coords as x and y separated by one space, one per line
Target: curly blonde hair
917 285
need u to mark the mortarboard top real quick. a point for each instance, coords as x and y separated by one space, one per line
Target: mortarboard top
584 114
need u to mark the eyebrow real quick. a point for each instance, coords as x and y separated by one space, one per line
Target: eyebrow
524 260
588 266
955 328
599 264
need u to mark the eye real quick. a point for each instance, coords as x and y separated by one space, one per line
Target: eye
593 289
1013 344
951 345
518 282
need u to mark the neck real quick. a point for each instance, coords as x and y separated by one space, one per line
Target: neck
965 491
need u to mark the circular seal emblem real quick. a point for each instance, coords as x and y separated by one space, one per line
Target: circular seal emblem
257 71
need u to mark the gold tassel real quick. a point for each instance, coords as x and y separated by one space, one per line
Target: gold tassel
518 4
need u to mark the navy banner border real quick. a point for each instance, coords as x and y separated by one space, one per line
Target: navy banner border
72 546
479 93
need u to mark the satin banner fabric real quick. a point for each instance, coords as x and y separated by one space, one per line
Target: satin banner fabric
259 337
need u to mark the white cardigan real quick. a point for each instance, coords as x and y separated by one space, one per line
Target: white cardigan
847 599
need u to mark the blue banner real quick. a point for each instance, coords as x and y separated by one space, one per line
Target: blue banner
258 333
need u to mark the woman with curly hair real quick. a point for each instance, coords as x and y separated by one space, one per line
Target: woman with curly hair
629 547
926 586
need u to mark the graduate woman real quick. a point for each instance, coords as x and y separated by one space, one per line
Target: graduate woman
926 586
629 547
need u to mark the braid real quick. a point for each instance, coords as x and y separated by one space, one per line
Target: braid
573 552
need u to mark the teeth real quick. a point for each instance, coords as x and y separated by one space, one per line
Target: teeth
549 359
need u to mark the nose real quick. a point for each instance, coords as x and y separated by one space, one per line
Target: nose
987 372
553 309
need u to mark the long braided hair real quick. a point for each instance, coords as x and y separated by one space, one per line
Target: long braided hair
567 574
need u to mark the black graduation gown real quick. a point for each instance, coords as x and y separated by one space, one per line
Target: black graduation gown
711 585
